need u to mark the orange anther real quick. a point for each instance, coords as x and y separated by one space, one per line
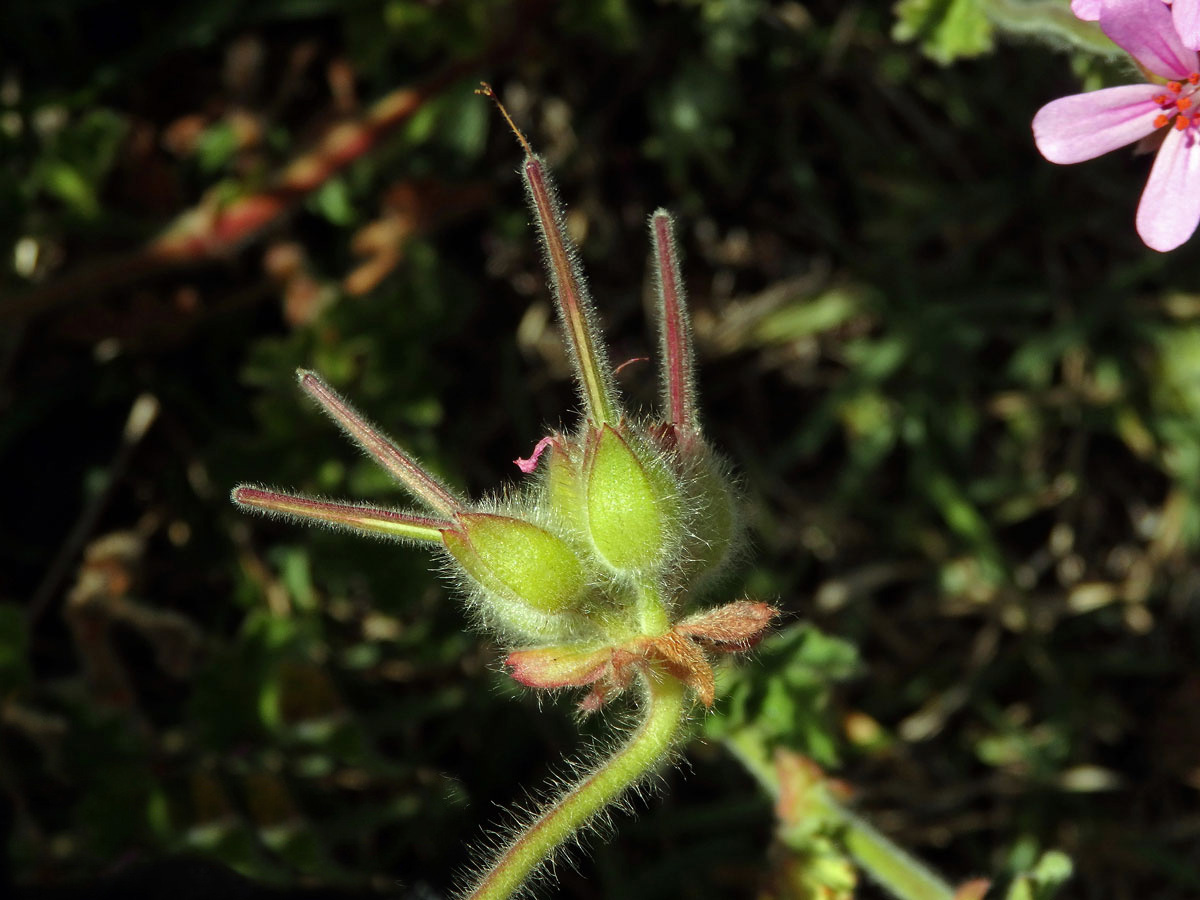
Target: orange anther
1160 99
1160 121
1183 103
1174 87
1194 78
1182 122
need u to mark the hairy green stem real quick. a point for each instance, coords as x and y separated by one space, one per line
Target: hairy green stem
652 610
901 874
663 719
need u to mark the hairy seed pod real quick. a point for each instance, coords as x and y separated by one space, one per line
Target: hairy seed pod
630 506
531 579
714 529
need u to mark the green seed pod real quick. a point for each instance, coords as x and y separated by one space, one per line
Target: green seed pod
530 578
630 505
714 528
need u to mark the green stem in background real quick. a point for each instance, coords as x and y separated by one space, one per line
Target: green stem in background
902 875
1041 18
663 720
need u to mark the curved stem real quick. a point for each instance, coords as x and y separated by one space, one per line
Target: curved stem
898 871
661 724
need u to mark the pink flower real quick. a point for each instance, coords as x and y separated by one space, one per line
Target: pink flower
1084 126
1186 14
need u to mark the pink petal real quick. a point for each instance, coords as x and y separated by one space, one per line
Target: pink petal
1186 15
1088 10
1170 207
1084 126
529 465
1144 29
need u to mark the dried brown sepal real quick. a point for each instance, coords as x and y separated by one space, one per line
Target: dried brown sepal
685 661
610 670
732 627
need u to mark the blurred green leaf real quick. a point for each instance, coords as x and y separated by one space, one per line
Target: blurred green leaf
782 692
945 29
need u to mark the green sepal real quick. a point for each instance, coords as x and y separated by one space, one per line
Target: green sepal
563 492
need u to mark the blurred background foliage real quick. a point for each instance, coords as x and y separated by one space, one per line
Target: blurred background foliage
964 398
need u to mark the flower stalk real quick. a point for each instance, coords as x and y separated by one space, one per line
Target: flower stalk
664 715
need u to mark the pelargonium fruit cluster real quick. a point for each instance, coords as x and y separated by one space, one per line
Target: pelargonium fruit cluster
591 568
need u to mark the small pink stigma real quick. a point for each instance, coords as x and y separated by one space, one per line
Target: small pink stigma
630 362
529 465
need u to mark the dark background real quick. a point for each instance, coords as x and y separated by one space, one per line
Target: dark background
962 395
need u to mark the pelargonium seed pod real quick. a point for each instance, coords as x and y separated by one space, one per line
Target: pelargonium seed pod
524 576
713 534
589 568
632 515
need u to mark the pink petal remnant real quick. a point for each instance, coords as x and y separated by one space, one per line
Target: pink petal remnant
1146 31
1084 126
1088 10
1170 208
630 362
529 465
